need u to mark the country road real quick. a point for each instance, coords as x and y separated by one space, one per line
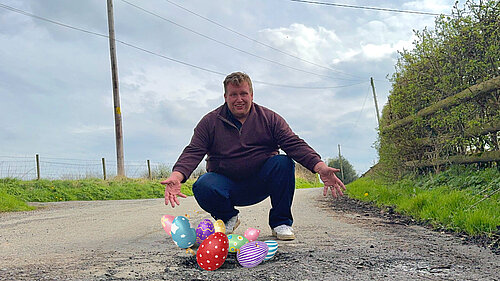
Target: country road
124 240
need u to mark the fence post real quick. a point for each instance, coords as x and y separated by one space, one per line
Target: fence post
149 170
341 168
37 167
104 168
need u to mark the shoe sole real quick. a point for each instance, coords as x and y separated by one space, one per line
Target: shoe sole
235 226
284 237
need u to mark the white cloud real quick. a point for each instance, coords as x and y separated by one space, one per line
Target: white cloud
147 89
91 129
432 6
377 52
309 43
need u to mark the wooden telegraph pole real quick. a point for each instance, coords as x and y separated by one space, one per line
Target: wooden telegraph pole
116 95
375 99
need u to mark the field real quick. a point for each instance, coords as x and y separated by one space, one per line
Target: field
15 194
460 199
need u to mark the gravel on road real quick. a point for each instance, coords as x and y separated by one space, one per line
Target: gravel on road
337 239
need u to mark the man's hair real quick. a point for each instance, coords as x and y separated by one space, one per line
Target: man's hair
236 78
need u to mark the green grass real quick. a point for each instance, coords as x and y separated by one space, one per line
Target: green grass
303 183
11 203
450 200
14 193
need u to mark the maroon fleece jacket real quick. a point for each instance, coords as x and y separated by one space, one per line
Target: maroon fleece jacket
240 153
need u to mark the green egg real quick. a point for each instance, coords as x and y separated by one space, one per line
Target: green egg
235 242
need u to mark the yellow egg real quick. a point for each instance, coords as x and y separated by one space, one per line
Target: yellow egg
219 226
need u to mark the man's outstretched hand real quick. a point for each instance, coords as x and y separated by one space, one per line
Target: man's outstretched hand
173 189
328 177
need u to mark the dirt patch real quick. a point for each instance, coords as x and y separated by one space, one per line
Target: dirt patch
387 213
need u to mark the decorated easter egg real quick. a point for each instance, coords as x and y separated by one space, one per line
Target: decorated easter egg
212 252
235 242
166 222
183 234
251 234
219 226
205 228
273 247
252 253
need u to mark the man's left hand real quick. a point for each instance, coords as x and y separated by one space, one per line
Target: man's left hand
329 179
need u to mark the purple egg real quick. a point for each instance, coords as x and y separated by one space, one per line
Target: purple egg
205 228
252 253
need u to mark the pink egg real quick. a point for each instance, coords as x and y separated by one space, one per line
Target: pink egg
166 222
252 234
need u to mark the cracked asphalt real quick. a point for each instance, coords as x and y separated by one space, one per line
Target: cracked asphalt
336 240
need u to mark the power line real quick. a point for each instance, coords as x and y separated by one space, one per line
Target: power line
308 87
225 44
348 135
156 54
256 41
49 20
367 8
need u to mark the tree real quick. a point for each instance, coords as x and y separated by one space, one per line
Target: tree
463 49
350 174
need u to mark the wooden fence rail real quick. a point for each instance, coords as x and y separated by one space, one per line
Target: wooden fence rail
464 96
434 156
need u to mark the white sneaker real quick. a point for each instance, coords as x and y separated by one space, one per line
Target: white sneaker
283 232
232 224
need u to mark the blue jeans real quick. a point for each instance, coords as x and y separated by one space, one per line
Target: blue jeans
218 195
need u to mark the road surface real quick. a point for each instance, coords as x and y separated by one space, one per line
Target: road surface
124 240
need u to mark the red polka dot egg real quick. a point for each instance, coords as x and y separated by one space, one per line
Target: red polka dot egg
212 252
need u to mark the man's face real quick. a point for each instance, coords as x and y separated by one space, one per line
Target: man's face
239 100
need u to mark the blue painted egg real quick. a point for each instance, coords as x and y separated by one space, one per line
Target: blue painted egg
183 234
205 228
273 247
252 253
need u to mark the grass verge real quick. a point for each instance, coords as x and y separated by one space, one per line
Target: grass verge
11 203
15 193
459 199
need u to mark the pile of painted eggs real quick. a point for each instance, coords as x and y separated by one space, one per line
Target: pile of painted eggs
214 245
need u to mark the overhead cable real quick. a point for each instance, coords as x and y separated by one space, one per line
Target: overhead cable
258 42
367 8
227 45
156 54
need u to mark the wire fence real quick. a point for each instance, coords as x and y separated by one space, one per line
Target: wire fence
30 168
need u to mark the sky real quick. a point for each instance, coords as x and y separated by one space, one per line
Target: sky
310 63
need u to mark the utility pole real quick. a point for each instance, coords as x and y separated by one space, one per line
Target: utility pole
116 95
341 169
375 99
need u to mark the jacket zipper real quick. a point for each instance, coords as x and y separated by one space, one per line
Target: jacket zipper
230 123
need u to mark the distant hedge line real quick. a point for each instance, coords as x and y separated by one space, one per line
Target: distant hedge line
461 51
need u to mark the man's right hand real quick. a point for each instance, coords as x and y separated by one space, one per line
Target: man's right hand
173 188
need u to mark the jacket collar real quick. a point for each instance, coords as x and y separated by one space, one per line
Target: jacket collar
225 113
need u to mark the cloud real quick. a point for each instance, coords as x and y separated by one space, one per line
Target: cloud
91 129
432 6
377 52
300 40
